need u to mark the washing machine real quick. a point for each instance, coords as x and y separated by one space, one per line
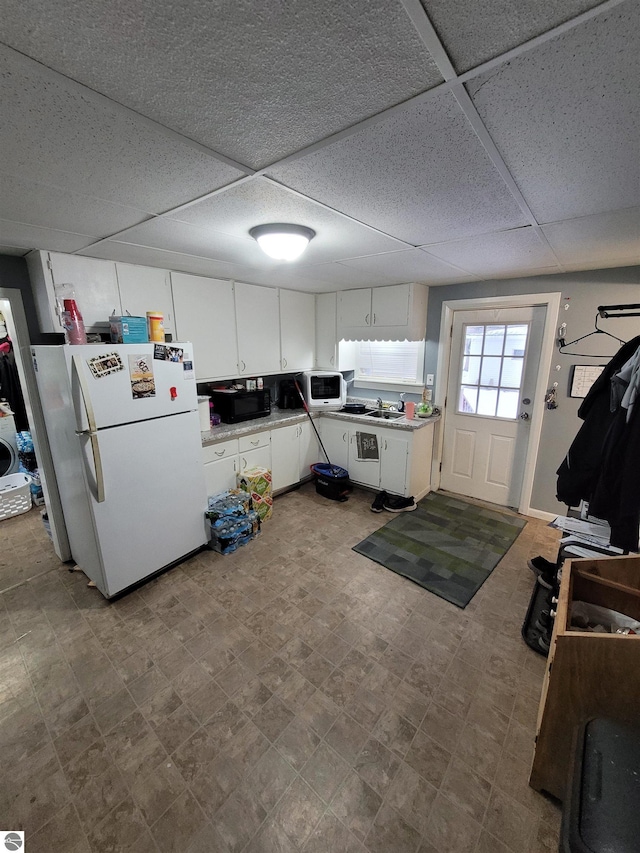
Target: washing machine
9 460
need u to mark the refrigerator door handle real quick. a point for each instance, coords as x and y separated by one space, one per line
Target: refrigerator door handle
92 431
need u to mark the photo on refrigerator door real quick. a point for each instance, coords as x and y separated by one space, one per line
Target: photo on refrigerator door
143 383
103 365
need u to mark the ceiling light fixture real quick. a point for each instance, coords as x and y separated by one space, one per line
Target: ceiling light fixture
282 241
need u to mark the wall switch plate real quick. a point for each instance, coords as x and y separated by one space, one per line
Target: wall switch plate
429 378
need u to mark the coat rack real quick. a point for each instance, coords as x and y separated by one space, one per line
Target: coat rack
627 310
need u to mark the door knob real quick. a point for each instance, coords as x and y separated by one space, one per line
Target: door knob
524 416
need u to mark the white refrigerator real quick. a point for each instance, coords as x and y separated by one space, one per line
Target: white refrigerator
123 426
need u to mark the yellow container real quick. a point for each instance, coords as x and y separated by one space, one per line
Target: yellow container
155 324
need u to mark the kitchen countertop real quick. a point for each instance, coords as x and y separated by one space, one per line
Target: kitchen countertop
278 418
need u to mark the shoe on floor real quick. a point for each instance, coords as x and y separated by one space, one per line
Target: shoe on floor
378 502
394 503
539 564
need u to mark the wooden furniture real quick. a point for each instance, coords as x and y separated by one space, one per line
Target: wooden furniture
588 674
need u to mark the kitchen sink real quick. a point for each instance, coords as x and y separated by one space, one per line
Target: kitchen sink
384 415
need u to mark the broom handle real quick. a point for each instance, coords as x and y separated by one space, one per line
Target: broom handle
306 408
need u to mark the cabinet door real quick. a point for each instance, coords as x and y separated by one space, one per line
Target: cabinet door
285 454
204 315
221 475
394 454
297 330
363 469
94 283
310 451
335 437
354 307
258 327
390 305
145 289
258 458
326 331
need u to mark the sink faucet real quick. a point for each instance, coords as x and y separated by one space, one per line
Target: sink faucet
379 403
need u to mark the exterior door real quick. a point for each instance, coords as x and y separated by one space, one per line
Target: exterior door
492 377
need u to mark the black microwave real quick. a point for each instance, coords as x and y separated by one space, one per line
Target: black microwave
236 406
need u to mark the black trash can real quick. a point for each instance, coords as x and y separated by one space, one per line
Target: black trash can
602 808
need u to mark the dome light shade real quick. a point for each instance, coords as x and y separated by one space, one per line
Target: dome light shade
281 241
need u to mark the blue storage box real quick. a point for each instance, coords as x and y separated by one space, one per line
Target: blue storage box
128 329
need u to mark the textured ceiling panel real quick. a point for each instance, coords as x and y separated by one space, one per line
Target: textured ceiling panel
603 240
161 233
260 201
565 117
18 234
55 133
52 207
128 253
474 31
252 80
412 265
505 253
420 175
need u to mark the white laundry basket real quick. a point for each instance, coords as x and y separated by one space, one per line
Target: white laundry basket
15 495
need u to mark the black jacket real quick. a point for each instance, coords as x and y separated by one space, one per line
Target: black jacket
602 465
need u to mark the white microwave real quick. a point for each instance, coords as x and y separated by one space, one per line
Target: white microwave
323 389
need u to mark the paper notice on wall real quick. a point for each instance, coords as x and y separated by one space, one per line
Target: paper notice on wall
367 445
143 383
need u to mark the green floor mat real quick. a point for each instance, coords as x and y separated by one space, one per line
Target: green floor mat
447 545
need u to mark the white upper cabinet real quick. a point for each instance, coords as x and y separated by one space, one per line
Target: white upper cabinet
390 305
354 308
204 315
93 281
395 312
326 331
331 353
145 289
258 326
297 330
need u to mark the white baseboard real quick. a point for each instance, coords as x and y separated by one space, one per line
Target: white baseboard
540 513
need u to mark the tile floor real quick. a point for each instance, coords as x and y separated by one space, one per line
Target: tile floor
292 696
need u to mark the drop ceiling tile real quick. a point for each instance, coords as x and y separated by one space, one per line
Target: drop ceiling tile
474 31
174 236
54 132
565 117
420 175
111 250
411 265
53 207
18 234
602 240
518 252
250 79
260 201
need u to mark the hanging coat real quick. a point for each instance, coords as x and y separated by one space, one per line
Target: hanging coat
10 389
580 471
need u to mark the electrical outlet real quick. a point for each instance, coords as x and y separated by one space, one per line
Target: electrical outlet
429 378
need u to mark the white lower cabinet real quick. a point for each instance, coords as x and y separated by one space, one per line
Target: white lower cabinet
255 451
389 470
294 448
220 465
335 437
310 451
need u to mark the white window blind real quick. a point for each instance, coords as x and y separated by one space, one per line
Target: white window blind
390 361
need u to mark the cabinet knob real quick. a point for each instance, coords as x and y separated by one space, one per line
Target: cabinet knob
374 319
284 362
219 452
255 443
244 366
366 320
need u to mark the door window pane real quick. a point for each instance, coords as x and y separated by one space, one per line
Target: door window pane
468 400
508 403
487 399
471 370
493 340
491 369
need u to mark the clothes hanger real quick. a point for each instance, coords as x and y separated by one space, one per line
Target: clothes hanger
562 344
